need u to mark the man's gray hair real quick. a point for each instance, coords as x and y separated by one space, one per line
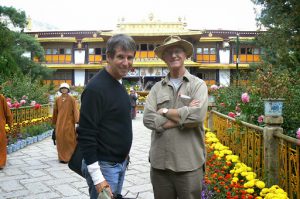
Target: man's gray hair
120 40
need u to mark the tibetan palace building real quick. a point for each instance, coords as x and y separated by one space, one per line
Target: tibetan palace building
77 55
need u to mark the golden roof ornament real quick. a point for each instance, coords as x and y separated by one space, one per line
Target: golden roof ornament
151 16
29 24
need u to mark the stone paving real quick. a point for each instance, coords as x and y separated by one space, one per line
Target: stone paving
34 171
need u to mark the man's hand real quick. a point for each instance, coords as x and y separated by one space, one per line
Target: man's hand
194 103
160 111
103 185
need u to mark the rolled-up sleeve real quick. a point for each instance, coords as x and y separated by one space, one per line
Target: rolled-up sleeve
152 119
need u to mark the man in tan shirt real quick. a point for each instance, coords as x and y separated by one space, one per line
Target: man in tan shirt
175 111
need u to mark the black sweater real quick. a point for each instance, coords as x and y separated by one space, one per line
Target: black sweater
105 128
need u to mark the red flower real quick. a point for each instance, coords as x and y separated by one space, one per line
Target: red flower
37 106
231 114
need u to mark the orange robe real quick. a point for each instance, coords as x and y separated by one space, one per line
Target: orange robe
5 118
65 115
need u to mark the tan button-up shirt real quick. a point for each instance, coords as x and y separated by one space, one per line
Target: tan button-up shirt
181 148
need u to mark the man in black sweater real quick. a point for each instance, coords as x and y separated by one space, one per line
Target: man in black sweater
105 128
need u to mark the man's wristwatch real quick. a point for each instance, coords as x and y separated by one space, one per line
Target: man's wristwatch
165 111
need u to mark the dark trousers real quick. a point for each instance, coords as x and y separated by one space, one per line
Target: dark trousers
133 112
173 185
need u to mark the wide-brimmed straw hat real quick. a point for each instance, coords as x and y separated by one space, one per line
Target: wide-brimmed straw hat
174 41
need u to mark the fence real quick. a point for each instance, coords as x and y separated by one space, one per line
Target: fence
27 113
274 156
27 116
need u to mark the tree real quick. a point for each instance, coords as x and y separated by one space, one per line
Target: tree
14 43
282 38
281 42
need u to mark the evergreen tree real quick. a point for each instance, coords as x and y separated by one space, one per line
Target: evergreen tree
281 41
14 43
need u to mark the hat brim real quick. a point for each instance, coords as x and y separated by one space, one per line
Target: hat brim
64 87
187 46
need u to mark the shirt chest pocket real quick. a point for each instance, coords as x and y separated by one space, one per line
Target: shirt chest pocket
163 101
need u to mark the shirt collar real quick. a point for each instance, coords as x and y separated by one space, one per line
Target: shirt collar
186 77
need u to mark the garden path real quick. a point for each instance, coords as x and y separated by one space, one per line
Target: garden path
34 171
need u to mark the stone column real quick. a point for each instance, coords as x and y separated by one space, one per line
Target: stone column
271 170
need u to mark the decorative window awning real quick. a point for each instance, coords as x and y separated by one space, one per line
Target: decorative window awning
211 39
242 39
57 39
92 39
223 66
75 66
159 63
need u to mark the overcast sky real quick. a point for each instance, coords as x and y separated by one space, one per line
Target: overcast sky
105 14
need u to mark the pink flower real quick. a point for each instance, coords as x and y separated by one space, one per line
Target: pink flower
231 114
222 104
214 87
32 103
24 97
22 102
8 99
16 105
298 134
245 98
9 104
260 119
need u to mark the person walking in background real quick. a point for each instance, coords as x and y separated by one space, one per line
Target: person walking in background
175 110
5 118
133 97
105 126
65 116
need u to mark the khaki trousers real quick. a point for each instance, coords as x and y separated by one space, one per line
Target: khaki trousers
172 185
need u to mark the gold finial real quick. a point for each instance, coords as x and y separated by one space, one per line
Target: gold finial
151 16
94 35
29 24
210 34
61 35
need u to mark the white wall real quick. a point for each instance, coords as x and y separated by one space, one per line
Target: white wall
224 77
224 56
79 76
79 56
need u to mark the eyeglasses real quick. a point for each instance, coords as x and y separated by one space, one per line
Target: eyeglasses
176 51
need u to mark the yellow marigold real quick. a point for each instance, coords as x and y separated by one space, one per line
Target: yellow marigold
258 197
260 184
264 190
7 129
250 176
250 190
280 191
244 173
270 196
249 184
234 179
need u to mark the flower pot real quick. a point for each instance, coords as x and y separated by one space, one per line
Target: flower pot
273 107
211 99
9 149
35 139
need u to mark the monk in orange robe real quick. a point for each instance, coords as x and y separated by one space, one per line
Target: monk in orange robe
5 118
65 116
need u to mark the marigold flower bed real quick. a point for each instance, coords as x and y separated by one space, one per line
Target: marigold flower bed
227 177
